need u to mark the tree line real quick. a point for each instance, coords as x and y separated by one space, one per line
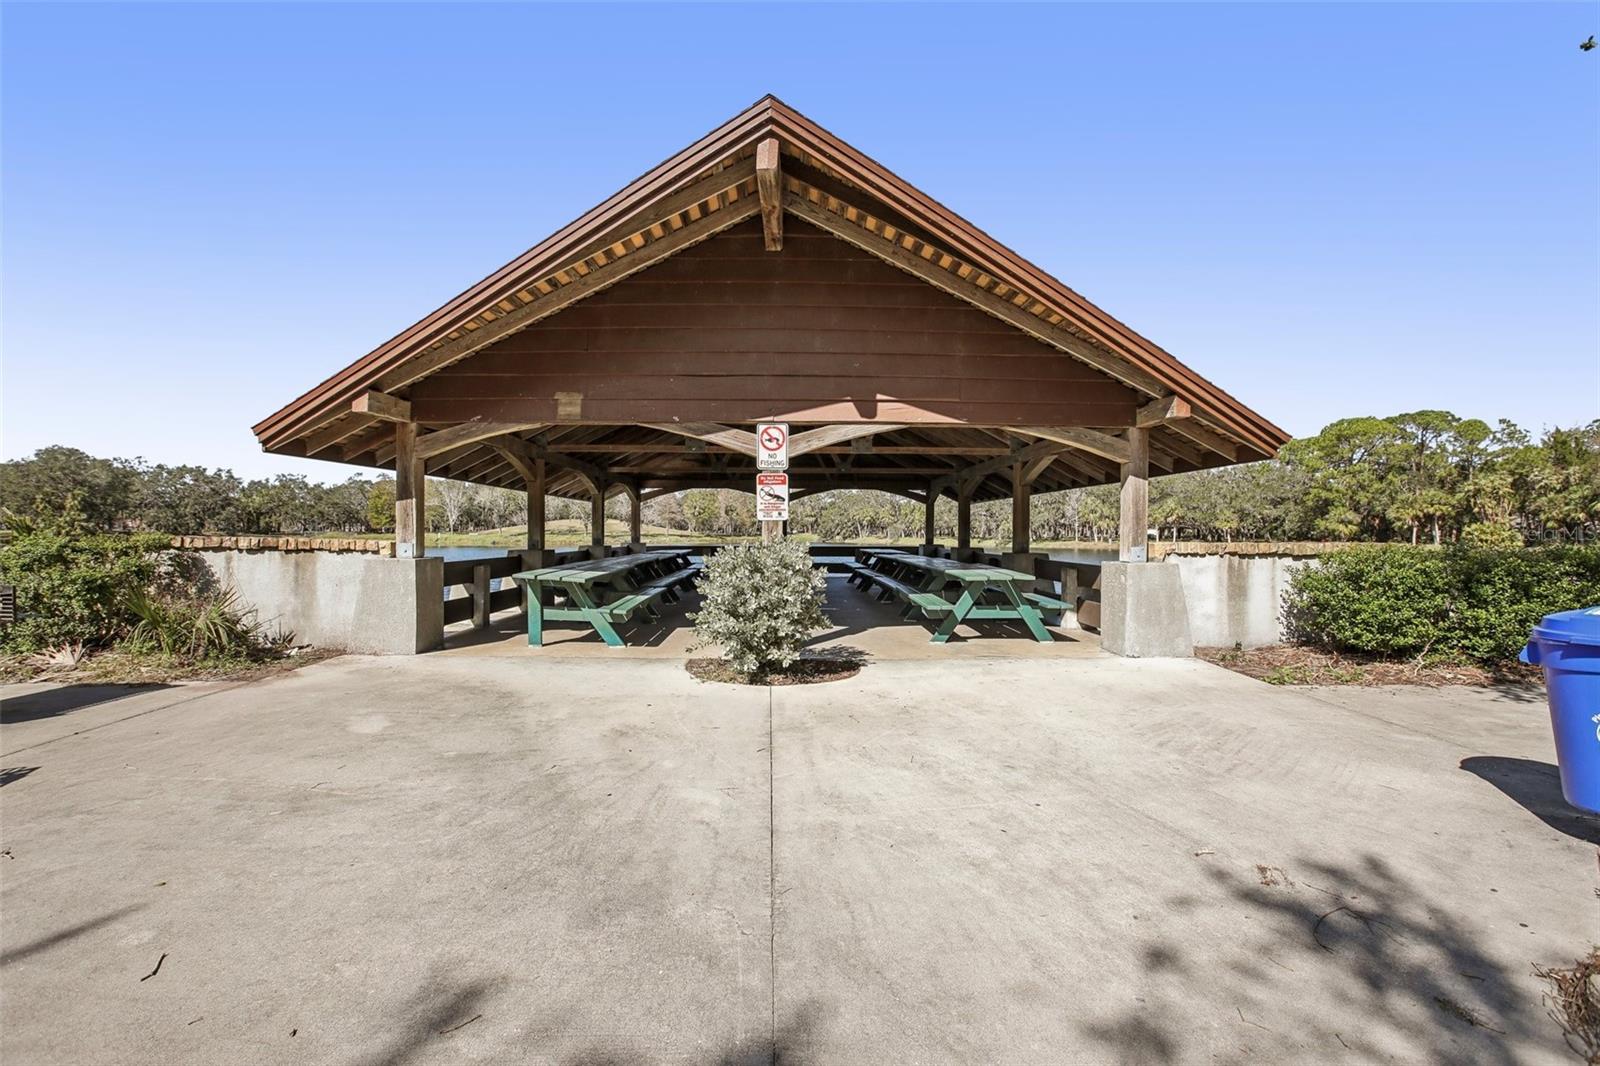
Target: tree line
1423 477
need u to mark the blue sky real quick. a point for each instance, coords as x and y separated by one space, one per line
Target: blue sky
1328 210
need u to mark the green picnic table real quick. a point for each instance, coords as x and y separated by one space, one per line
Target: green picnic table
604 592
920 581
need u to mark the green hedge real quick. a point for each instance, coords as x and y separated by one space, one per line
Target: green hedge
1453 603
73 585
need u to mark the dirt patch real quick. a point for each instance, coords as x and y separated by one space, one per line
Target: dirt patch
1289 664
804 672
122 668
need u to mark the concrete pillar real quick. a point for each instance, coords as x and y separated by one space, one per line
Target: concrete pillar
1021 512
964 521
410 494
1143 611
536 507
1134 518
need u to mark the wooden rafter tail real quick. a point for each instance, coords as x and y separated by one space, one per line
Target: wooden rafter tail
1164 409
377 404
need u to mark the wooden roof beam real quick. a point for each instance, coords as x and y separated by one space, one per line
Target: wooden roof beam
965 481
1160 411
382 405
442 440
735 440
1103 444
826 436
1206 438
1031 471
769 187
340 431
521 453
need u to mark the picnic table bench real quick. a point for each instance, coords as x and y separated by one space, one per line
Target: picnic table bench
920 582
605 592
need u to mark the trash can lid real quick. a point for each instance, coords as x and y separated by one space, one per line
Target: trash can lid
1570 627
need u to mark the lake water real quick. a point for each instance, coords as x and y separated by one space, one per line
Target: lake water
452 555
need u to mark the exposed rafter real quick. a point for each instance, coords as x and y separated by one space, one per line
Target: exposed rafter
964 481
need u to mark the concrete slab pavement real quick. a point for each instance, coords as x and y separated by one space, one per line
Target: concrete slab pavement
343 863
480 858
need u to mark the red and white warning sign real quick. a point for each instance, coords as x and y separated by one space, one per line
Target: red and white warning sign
772 446
772 497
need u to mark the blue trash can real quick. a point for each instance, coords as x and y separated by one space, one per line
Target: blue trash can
1567 645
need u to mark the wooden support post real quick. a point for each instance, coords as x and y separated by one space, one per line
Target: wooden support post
1135 507
410 494
927 516
964 521
1021 514
635 519
769 188
480 596
536 506
597 516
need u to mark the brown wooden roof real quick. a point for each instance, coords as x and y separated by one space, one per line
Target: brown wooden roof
705 199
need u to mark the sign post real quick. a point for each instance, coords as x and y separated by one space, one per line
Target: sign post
772 485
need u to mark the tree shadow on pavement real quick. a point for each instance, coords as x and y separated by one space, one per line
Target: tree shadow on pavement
789 1043
432 1014
64 699
72 932
1536 786
1329 962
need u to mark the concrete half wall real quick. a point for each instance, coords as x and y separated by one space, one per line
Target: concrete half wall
358 602
1235 599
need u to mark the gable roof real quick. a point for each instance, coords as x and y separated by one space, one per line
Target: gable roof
710 186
